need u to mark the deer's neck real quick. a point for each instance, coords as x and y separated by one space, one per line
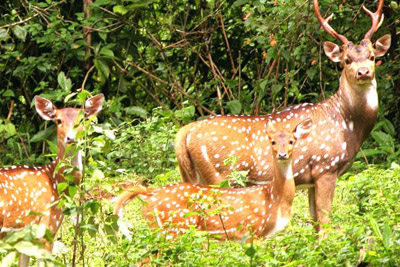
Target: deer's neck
358 107
283 185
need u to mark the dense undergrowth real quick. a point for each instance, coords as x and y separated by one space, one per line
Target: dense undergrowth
162 64
365 225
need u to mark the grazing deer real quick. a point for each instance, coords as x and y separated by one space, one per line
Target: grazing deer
29 194
341 124
263 210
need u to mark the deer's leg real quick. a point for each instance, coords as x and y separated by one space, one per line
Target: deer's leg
23 260
324 189
311 203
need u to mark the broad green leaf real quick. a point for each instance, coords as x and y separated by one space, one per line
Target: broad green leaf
8 92
119 9
39 230
375 227
43 134
312 72
185 114
19 32
61 187
251 251
69 96
9 129
234 106
64 82
276 88
139 3
107 52
387 235
9 259
29 249
102 68
239 3
136 110
72 190
3 35
263 84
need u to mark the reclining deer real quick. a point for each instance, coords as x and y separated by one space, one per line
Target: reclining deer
29 194
261 210
341 124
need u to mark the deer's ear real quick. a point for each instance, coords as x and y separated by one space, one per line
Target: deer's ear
381 46
46 109
332 51
303 129
93 105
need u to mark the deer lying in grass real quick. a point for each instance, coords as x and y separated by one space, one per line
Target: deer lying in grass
261 210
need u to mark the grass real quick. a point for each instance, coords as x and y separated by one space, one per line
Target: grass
365 230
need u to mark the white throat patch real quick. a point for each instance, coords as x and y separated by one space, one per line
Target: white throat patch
371 95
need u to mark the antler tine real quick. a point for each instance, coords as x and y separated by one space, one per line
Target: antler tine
325 24
376 18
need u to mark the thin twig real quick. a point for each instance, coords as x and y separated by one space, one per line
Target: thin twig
227 42
10 110
85 79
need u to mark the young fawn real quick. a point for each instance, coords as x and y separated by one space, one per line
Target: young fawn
29 194
262 210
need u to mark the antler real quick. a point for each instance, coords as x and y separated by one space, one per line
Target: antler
325 24
376 18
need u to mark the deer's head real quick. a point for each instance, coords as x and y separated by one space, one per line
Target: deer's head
358 61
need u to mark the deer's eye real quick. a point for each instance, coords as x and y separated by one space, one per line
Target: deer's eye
58 121
291 142
273 142
347 61
372 58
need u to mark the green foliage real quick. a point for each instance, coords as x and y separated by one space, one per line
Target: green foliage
162 63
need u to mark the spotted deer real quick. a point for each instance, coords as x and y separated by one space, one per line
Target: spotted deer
29 194
263 210
341 124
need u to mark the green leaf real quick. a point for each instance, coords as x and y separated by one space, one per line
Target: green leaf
234 106
29 249
72 190
375 227
311 73
263 84
185 114
19 32
240 2
102 68
3 35
224 184
107 52
9 259
251 251
61 187
387 235
119 9
136 110
276 88
64 82
43 134
9 129
139 3
286 54
8 92
69 96
39 230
